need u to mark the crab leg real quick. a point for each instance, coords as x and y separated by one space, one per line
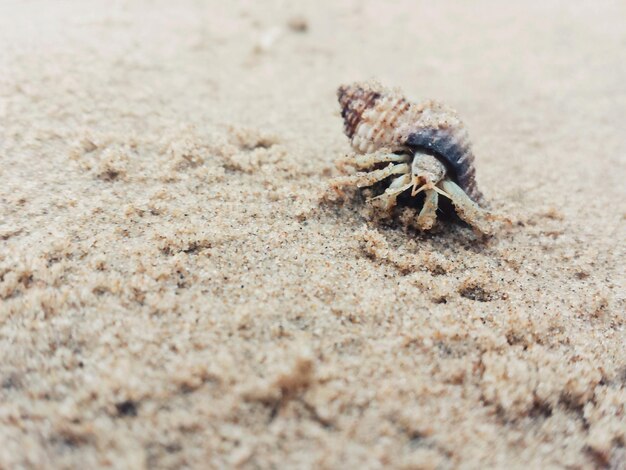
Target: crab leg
428 214
369 178
389 198
371 159
399 183
467 209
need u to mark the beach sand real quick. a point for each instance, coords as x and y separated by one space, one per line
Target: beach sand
178 290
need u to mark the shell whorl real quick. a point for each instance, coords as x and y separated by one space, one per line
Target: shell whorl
354 101
375 118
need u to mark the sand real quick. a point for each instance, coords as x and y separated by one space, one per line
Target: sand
177 290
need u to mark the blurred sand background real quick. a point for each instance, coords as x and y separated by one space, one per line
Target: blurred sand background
175 292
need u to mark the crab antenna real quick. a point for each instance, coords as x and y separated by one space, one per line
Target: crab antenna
415 192
414 183
442 192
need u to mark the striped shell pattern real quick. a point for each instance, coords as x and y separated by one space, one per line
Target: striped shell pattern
375 118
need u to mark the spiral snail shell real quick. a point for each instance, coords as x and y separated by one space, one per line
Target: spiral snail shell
419 146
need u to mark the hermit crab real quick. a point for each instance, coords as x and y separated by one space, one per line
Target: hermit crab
421 146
